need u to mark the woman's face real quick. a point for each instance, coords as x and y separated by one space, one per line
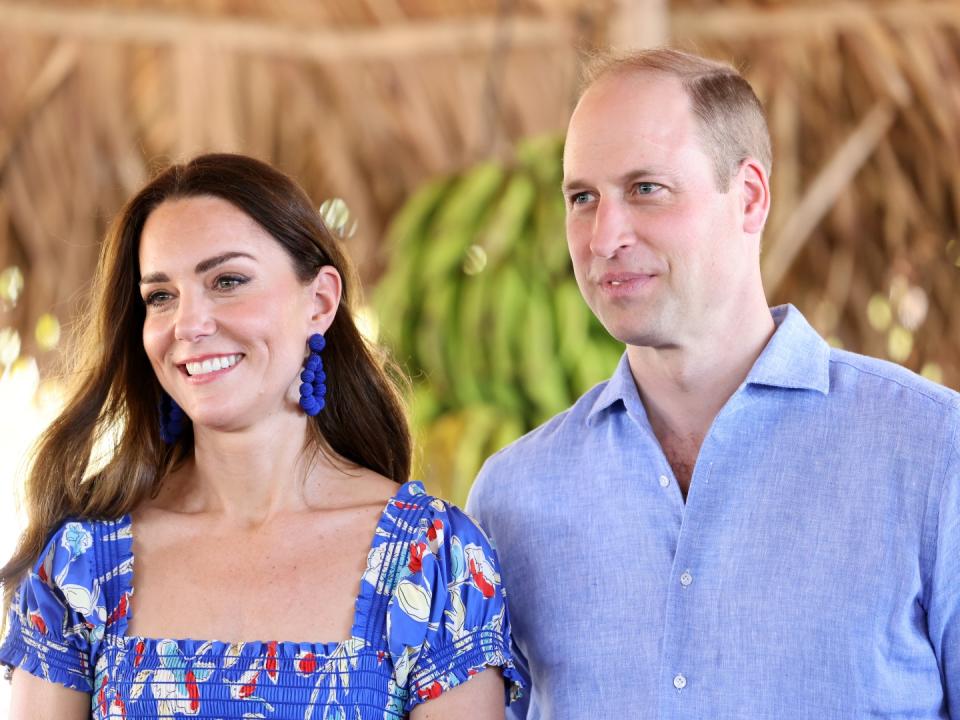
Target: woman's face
227 320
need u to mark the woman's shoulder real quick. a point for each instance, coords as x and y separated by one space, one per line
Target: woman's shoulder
449 540
437 514
82 554
447 616
79 537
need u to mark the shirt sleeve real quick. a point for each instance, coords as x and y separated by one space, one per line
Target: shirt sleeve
943 618
54 612
447 620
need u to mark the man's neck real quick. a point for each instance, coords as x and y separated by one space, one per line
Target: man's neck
684 387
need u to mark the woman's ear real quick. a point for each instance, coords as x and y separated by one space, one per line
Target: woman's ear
755 192
325 291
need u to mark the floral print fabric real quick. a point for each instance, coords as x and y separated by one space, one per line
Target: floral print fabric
431 613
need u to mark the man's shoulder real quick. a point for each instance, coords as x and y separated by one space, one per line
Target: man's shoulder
558 430
884 380
538 451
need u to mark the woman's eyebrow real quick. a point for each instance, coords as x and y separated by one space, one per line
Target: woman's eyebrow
209 263
202 267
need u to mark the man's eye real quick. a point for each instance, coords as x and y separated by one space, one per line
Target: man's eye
580 198
646 188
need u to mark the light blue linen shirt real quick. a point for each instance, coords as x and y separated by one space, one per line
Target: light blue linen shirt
814 571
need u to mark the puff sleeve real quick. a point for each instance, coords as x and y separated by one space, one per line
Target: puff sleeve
447 618
57 612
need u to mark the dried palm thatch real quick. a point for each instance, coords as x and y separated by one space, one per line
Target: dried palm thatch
359 100
864 107
367 99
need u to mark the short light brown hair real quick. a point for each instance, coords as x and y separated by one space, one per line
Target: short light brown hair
731 120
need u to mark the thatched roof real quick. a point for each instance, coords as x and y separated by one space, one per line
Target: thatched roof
365 99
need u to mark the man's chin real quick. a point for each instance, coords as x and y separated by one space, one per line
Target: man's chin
635 333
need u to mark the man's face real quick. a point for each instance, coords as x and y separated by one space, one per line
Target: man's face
657 249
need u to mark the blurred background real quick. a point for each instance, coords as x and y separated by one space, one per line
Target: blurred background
440 124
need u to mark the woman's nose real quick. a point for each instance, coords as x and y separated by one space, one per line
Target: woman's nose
194 318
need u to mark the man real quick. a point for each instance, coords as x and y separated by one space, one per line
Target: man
742 522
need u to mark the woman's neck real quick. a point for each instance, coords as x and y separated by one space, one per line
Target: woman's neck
251 475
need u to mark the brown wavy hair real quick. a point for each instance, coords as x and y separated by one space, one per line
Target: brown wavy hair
114 401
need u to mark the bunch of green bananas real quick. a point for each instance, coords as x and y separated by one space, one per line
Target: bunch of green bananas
480 306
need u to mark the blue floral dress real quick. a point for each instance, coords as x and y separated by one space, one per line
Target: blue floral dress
430 614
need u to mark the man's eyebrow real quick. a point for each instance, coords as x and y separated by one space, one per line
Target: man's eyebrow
628 176
202 267
645 172
568 185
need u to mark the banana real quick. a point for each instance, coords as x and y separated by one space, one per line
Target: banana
480 303
480 422
543 380
573 323
455 227
509 305
410 223
471 344
511 217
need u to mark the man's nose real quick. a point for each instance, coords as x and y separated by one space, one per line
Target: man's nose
612 228
194 318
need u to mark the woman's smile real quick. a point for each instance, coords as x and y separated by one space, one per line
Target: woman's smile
210 366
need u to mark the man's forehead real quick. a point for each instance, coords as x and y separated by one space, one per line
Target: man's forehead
629 119
639 95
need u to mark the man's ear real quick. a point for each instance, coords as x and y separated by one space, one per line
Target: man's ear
325 289
754 187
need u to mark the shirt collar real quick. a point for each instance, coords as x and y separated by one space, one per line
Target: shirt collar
796 357
619 388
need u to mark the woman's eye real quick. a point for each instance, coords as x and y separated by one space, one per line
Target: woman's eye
229 282
156 298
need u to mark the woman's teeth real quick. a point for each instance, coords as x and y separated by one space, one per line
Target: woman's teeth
212 364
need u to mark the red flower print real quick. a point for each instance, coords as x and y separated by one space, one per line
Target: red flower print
37 621
416 556
250 688
307 664
429 693
272 661
102 695
138 653
193 691
120 611
481 582
435 536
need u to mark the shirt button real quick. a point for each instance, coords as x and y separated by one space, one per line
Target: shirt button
686 578
664 481
679 682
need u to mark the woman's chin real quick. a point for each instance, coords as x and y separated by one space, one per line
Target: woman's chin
226 423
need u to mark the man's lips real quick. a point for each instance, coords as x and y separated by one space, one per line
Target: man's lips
621 283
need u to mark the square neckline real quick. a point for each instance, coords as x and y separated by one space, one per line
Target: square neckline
364 596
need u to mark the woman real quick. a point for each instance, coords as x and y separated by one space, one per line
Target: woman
242 515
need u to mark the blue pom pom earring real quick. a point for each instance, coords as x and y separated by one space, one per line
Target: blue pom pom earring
172 419
313 378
